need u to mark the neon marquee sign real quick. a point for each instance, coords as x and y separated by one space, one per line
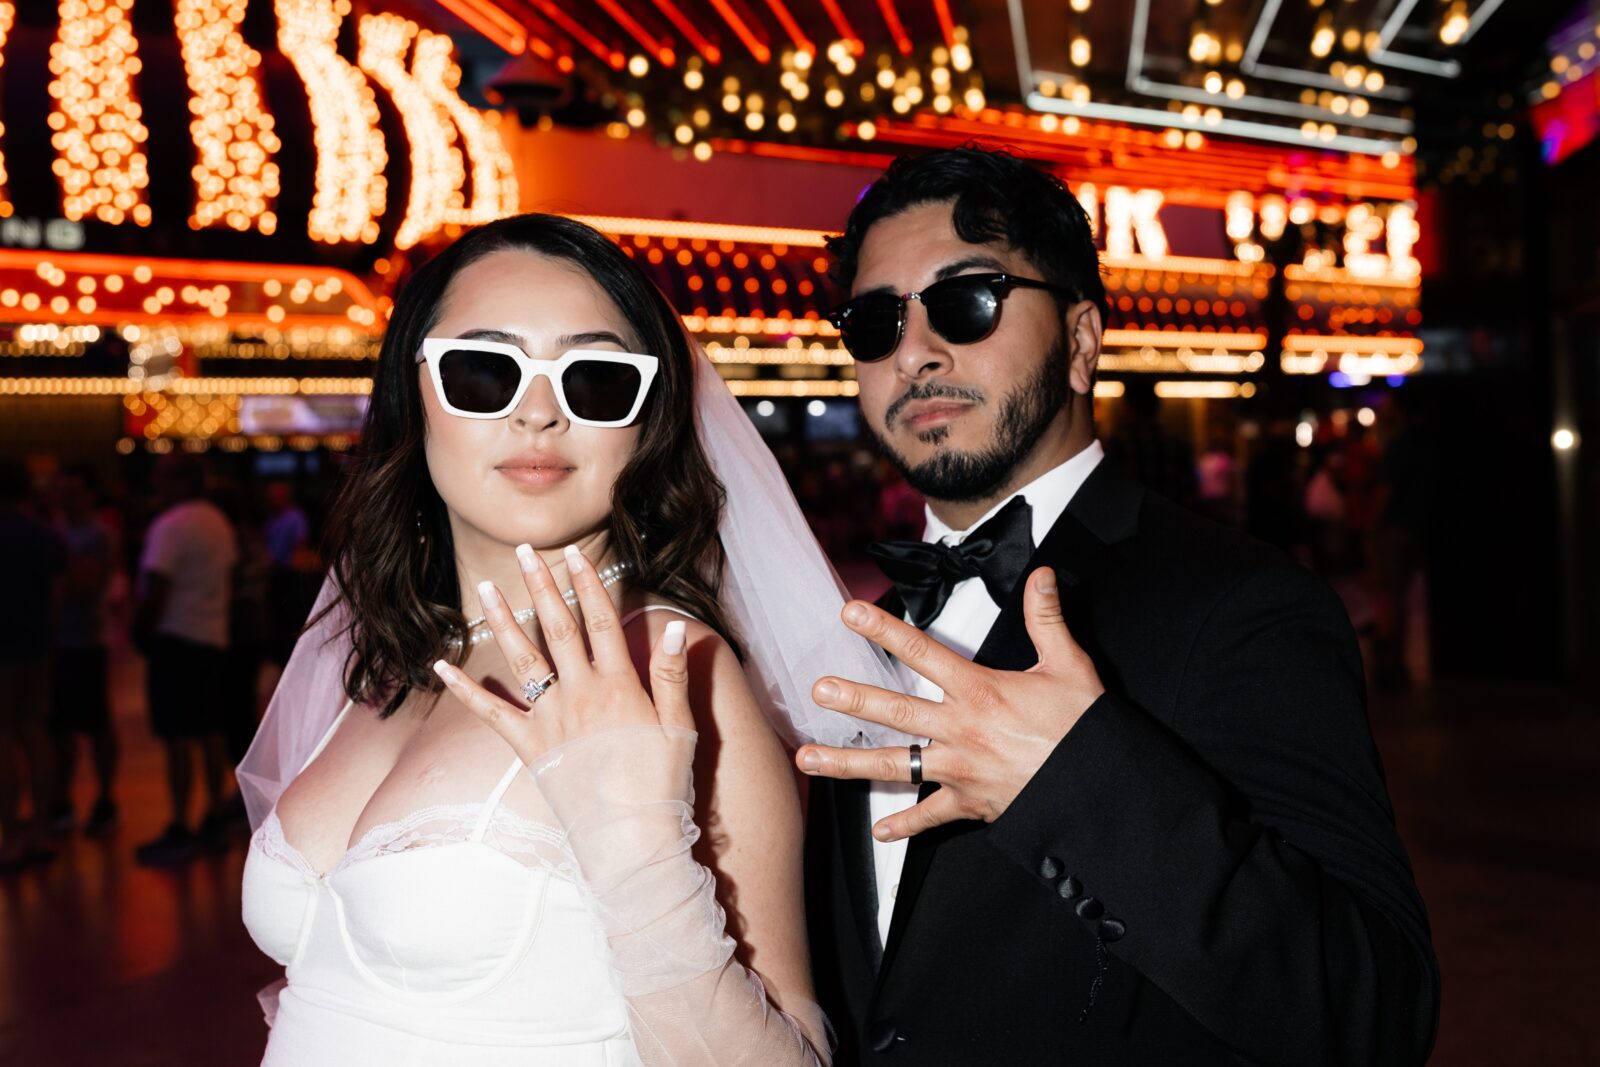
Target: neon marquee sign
98 133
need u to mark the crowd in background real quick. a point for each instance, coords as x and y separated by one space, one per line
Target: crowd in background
204 570
204 582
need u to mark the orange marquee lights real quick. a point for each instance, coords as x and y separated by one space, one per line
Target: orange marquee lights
236 180
437 173
852 41
607 55
498 26
8 14
494 182
350 187
757 47
98 136
708 51
109 290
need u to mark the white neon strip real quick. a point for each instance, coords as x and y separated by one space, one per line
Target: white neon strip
1141 18
1479 17
1263 30
1251 63
1313 80
1397 19
1138 83
1261 131
1448 68
1019 46
1268 106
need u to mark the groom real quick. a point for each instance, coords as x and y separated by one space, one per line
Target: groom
1151 827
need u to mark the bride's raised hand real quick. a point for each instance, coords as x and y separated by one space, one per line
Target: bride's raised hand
591 686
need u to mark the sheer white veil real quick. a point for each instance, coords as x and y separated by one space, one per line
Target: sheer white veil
780 593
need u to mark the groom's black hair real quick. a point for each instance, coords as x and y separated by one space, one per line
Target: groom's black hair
994 197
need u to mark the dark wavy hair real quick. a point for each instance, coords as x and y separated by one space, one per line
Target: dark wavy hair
995 197
389 534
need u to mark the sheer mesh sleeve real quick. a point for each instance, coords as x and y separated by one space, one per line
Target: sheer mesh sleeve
626 799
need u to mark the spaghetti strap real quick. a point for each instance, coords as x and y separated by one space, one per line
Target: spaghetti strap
494 800
636 612
327 736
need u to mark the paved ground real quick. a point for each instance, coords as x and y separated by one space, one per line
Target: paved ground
105 963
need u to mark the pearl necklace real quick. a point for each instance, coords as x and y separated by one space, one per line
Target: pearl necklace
478 633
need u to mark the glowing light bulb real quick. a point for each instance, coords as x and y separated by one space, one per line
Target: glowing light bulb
494 181
98 136
235 177
351 190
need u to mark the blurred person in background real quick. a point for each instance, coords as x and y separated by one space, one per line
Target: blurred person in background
1402 512
294 571
249 628
82 682
1149 454
181 625
38 558
1325 511
287 531
1217 479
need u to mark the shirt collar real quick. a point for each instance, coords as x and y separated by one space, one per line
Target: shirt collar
1048 495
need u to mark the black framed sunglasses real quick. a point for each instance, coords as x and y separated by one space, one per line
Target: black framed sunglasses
963 310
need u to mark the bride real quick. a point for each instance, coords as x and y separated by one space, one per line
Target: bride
478 834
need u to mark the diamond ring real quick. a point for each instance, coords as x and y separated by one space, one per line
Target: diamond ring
534 690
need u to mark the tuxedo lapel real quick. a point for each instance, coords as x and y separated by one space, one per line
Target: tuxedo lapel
853 810
1103 511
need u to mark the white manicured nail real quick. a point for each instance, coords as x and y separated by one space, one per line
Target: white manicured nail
488 596
526 558
672 640
574 557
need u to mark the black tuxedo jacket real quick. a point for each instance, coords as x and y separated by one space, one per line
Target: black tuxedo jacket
1209 856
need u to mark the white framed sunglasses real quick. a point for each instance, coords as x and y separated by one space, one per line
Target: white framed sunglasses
487 380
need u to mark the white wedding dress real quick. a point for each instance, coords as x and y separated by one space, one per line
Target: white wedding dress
473 936
456 935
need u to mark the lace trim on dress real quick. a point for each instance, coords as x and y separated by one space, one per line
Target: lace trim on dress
533 844
530 843
270 840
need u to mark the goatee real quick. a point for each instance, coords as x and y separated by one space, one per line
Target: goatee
1025 413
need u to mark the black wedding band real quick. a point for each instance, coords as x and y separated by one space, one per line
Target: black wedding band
915 754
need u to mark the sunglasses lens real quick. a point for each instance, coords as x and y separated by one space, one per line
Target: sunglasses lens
600 390
962 310
871 327
479 382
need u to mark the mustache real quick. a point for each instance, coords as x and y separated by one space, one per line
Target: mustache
930 391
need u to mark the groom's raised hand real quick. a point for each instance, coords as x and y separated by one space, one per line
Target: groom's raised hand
989 736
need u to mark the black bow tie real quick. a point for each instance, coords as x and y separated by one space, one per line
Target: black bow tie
924 572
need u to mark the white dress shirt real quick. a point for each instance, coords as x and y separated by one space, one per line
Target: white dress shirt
962 625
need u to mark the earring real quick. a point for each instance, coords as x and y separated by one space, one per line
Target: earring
422 538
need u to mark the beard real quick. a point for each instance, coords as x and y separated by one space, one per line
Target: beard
1025 413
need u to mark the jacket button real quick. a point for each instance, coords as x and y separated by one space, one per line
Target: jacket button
1069 887
882 1036
1050 868
1112 929
1090 908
